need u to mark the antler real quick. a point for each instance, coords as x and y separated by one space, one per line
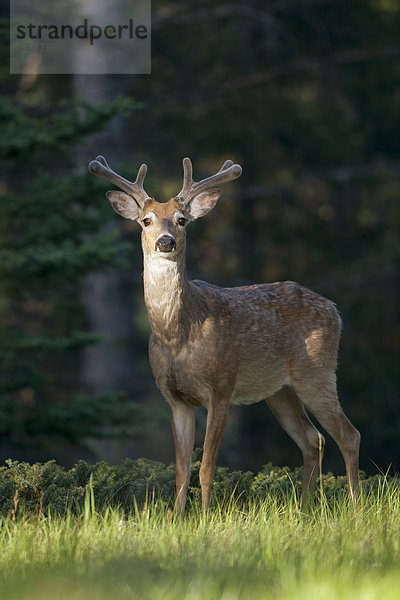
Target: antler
101 168
190 189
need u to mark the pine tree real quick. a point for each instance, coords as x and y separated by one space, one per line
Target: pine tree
51 235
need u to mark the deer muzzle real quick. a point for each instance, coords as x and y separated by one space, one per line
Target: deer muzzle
165 243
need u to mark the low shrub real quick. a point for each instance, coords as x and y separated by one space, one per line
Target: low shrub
47 487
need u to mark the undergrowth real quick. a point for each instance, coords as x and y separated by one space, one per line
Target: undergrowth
40 487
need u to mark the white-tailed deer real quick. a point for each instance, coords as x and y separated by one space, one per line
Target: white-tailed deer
213 346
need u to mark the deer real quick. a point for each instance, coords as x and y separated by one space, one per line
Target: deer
214 347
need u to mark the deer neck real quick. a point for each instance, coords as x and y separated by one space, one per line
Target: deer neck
168 298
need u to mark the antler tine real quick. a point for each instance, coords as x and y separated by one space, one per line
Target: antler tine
102 169
140 177
226 165
187 178
103 161
190 189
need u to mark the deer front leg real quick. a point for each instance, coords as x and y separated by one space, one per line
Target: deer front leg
183 430
216 421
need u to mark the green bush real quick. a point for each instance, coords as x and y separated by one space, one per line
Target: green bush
48 487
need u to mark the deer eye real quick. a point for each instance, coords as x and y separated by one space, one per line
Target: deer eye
146 222
182 221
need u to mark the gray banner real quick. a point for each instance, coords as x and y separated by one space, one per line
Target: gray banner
85 37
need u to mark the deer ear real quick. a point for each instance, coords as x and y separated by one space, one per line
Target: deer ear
203 203
124 205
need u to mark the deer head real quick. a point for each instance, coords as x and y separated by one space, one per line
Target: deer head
164 223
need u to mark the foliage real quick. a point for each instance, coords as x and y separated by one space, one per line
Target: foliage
48 487
52 235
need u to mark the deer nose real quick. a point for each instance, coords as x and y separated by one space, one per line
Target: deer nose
165 243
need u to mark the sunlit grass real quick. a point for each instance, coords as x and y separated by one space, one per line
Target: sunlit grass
269 549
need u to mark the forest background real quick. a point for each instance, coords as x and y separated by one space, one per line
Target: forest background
305 95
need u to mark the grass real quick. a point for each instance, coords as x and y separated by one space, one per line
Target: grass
269 549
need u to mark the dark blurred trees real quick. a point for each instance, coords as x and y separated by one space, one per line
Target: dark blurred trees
305 95
51 236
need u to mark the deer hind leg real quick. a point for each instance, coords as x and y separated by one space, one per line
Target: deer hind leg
289 412
183 424
320 397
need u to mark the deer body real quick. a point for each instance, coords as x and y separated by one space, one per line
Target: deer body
213 346
264 335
